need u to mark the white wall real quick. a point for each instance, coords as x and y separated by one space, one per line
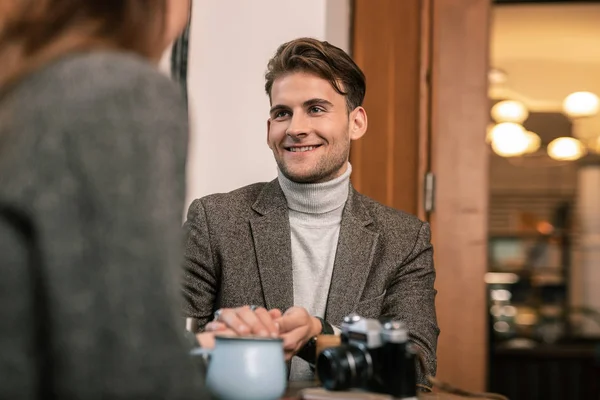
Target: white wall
230 44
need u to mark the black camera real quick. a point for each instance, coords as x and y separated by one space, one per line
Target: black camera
374 356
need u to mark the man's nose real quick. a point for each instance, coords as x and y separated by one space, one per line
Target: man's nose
299 126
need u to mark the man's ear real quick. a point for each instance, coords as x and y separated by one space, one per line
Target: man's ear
358 123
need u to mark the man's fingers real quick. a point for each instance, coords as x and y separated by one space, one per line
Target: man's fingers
289 322
292 341
254 322
284 324
226 332
294 317
267 320
230 318
215 326
245 321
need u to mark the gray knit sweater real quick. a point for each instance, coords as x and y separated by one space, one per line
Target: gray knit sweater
315 216
92 157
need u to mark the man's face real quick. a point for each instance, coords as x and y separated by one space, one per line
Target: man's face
310 129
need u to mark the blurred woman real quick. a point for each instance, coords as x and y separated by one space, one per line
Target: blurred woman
92 156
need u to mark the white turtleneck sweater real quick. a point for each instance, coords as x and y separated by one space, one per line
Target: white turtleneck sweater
315 211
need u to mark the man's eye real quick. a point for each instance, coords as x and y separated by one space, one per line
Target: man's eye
315 110
281 114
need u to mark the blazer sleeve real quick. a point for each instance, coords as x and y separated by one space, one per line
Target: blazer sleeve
200 283
411 298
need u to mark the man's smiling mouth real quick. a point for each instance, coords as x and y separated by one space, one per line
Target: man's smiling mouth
302 149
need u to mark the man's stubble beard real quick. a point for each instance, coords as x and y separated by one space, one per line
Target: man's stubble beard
325 170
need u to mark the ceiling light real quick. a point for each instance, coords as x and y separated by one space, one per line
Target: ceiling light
581 104
534 142
510 111
566 149
509 139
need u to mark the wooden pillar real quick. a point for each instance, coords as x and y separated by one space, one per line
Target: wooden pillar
387 46
459 160
426 68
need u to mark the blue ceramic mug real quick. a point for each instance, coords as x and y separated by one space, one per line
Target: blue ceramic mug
245 368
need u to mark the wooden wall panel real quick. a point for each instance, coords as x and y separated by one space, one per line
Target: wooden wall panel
387 47
459 158
426 68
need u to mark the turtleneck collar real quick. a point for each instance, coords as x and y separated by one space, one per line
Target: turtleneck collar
316 198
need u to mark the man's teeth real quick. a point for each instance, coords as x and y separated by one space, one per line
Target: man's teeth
302 149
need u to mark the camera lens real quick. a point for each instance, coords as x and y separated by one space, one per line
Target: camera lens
344 367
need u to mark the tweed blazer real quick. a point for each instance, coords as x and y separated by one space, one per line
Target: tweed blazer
238 251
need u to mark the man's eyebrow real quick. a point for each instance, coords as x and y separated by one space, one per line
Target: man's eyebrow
307 103
278 107
316 102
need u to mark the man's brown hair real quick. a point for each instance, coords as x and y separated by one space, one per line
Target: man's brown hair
323 60
33 32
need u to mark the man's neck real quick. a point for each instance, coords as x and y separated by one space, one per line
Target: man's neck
316 198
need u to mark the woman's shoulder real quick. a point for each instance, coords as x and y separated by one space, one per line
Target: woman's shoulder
87 79
93 74
85 98
106 61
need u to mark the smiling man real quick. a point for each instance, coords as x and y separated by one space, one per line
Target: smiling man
307 244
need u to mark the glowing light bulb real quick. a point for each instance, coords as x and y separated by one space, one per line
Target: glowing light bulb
509 139
566 149
534 142
581 104
509 111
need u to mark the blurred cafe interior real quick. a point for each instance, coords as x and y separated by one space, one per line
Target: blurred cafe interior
544 200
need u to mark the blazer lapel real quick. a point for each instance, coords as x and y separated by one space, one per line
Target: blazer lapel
271 235
353 259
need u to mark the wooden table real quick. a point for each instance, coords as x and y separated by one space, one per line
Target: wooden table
313 392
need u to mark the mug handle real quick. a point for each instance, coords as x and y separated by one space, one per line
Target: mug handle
199 351
203 356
